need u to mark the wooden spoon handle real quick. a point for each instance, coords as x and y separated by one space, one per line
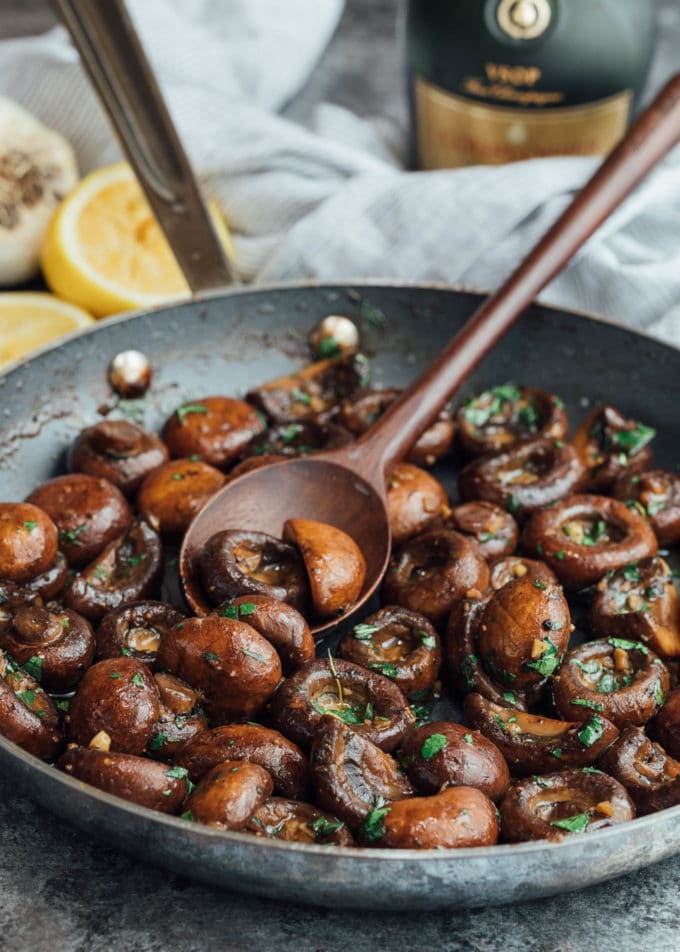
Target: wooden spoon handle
648 140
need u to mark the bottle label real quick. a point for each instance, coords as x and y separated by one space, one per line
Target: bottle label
453 131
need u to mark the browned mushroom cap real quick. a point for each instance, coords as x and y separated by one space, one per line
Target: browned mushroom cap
313 391
254 462
433 571
415 500
28 541
442 754
610 445
129 568
28 716
359 413
557 804
350 774
214 428
640 603
369 703
279 623
584 537
12 598
524 478
621 679
667 724
89 512
235 668
51 582
118 450
336 569
170 497
298 439
532 743
658 493
335 334
118 696
523 632
502 416
465 665
399 643
181 718
646 771
238 562
144 782
452 819
136 630
493 529
296 822
285 762
55 646
504 570
229 794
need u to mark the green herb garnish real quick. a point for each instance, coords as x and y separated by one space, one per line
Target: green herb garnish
323 828
573 824
547 663
592 731
364 632
628 645
584 702
34 667
373 827
432 745
188 408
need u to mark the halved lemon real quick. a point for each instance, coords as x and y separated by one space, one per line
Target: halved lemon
104 250
30 319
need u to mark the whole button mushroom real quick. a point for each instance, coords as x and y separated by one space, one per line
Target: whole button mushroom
52 582
279 623
28 541
609 445
334 335
119 697
297 822
28 715
650 776
136 630
216 429
454 818
279 756
556 805
172 494
443 754
500 417
492 528
130 374
658 493
181 718
415 500
229 794
336 569
350 774
88 511
144 782
119 451
235 668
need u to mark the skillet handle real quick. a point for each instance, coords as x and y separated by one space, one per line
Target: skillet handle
111 52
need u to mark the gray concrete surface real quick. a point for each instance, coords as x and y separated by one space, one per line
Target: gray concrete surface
61 890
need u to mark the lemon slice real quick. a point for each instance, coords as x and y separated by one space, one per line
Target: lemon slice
30 319
104 250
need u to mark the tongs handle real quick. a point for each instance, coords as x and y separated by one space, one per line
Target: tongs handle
113 56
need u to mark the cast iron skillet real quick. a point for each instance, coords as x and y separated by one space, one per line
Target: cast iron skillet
226 343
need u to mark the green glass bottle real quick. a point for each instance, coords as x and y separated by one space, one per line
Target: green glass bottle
493 81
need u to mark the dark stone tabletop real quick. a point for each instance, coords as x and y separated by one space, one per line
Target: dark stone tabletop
62 890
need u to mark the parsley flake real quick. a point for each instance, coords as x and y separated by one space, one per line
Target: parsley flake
432 745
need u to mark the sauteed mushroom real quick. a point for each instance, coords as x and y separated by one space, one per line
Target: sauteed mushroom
181 718
237 562
136 630
279 756
443 754
502 416
334 335
52 582
89 512
216 429
130 374
532 743
415 501
398 643
171 495
367 701
279 623
584 537
298 439
235 668
119 451
658 492
528 476
145 782
507 568
129 568
639 602
28 715
55 646
229 794
297 822
28 541
646 771
350 774
433 571
557 804
493 529
667 723
609 445
623 680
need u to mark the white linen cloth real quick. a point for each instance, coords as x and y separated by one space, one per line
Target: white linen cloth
330 201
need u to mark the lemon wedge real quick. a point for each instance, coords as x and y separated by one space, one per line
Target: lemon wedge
104 250
30 319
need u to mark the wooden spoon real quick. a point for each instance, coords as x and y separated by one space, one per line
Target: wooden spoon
346 487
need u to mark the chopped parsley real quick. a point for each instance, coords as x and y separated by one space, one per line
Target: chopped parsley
34 667
631 573
187 815
513 505
328 347
585 702
364 632
253 655
429 641
236 611
432 745
510 697
469 739
540 585
137 679
592 770
373 827
71 535
323 828
299 396
210 656
658 693
289 433
385 667
189 408
158 741
134 560
573 824
592 731
632 441
30 525
628 645
547 663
